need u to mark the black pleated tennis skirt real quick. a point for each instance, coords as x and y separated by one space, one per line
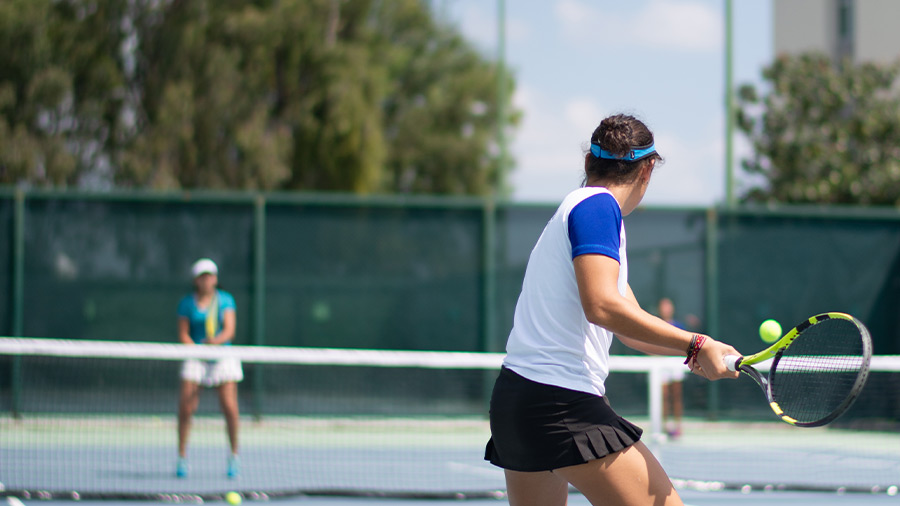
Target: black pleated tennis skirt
538 427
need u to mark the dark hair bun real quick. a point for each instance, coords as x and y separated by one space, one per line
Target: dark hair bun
616 134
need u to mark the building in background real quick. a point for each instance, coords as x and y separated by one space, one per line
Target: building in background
863 30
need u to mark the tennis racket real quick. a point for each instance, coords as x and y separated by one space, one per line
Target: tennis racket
818 369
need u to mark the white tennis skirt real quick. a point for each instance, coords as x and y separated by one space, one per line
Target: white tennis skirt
212 373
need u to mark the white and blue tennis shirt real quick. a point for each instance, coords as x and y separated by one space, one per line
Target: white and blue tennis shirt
551 341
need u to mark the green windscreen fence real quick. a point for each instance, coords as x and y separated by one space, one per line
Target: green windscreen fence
312 270
374 276
667 259
518 228
7 243
116 269
666 255
791 266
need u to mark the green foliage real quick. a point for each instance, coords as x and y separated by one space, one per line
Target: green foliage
58 78
347 95
824 133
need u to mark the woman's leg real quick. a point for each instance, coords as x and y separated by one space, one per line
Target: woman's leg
677 405
632 476
673 408
229 403
187 404
536 489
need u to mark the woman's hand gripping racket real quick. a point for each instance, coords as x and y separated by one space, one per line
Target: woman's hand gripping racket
818 369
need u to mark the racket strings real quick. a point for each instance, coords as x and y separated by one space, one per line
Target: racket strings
814 377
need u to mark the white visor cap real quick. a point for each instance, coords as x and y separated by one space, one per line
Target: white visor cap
204 266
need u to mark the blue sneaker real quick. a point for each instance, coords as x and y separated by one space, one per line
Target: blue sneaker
181 468
234 466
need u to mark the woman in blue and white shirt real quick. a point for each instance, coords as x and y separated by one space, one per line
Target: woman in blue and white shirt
551 424
208 316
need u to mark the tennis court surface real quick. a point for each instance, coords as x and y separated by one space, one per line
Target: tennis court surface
690 499
96 420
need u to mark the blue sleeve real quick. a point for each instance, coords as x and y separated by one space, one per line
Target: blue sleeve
595 225
226 302
184 307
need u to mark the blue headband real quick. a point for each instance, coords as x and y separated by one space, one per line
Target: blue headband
631 156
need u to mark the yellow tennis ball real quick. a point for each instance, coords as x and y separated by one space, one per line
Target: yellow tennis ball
770 331
233 498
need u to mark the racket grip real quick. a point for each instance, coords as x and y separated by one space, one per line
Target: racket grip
732 362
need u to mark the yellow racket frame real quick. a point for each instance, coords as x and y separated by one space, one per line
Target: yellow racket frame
786 341
792 334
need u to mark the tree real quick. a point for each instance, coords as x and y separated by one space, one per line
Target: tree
347 95
442 107
58 89
824 133
203 119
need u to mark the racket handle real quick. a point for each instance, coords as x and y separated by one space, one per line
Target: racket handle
732 362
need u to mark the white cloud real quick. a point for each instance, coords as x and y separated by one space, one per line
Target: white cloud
584 114
550 142
517 30
691 174
686 25
478 24
561 111
578 18
670 25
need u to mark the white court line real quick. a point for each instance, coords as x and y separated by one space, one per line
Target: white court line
475 470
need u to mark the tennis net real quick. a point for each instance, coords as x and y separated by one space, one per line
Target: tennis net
97 419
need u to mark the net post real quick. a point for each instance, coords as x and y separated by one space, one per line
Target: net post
18 297
488 290
654 394
712 299
488 274
259 297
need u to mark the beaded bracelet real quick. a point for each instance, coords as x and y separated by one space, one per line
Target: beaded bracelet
693 350
692 345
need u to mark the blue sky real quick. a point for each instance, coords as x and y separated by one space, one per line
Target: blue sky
577 61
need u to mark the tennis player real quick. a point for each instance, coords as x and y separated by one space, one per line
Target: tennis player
672 379
551 422
208 316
